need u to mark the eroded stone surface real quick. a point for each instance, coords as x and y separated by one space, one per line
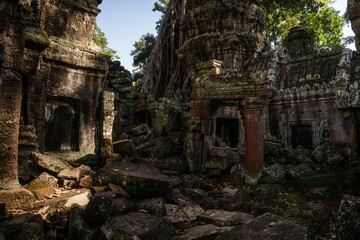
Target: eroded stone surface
347 224
202 232
50 163
136 179
267 226
141 225
225 218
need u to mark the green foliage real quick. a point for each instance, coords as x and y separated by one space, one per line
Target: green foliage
141 53
326 26
161 6
316 16
100 40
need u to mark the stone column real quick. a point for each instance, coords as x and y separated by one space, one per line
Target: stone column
254 135
108 115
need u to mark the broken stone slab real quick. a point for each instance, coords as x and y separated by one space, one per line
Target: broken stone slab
138 140
124 147
141 225
44 184
23 226
162 147
224 218
20 198
76 173
176 216
78 227
192 211
182 216
136 179
276 173
302 170
99 207
229 192
65 200
347 225
140 130
155 206
121 206
118 190
202 232
86 182
194 194
267 226
49 163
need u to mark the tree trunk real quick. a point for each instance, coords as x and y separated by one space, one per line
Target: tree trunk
162 73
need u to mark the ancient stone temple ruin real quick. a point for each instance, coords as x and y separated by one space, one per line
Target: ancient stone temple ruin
51 77
236 95
88 153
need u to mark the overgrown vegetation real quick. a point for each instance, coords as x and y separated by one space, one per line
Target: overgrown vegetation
316 16
100 40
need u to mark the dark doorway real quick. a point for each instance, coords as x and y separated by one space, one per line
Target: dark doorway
357 125
143 116
227 131
61 125
302 135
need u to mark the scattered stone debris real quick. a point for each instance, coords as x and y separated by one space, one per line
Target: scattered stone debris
267 226
348 219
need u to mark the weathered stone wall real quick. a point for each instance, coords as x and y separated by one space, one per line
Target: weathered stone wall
46 54
315 93
354 16
283 92
71 71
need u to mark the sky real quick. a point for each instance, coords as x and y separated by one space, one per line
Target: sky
124 22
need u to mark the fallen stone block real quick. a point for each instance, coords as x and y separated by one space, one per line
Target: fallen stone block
17 198
121 206
44 184
176 216
194 194
124 147
202 232
76 173
136 179
78 227
347 225
141 225
99 207
182 216
49 163
224 218
23 226
267 226
65 200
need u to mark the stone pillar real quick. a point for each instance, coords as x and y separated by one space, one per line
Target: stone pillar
10 102
108 115
254 135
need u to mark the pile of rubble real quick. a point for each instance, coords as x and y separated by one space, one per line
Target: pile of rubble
142 192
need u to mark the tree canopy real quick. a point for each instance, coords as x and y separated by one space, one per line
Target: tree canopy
144 46
161 5
141 53
100 39
316 16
